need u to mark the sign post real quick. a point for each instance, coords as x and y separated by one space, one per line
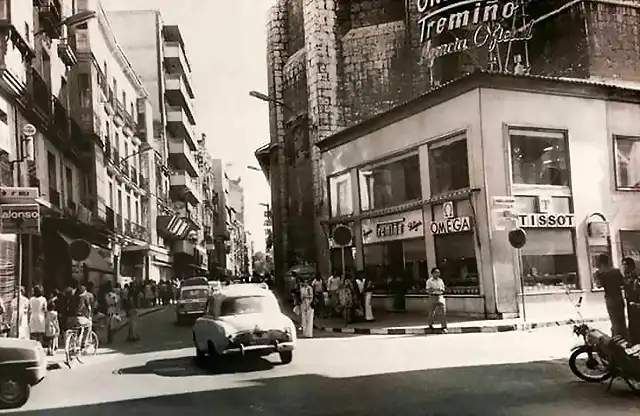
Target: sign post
342 236
517 239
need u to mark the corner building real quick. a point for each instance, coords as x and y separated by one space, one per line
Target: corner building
423 184
338 63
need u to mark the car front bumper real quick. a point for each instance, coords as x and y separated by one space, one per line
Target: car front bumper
267 348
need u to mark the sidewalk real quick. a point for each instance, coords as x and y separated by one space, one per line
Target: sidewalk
388 323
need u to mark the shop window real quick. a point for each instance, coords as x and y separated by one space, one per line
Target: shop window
456 259
390 184
539 157
402 260
549 260
448 165
627 159
630 245
340 195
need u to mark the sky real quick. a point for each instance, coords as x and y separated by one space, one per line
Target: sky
226 44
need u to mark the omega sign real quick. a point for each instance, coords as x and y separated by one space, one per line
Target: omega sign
451 226
486 16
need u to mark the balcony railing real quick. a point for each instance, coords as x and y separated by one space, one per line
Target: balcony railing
50 16
54 197
39 93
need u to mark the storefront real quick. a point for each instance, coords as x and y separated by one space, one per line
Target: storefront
565 153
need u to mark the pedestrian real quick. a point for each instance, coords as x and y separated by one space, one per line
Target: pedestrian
435 288
111 302
368 294
612 281
318 290
346 301
632 293
306 309
132 315
333 285
23 330
51 329
38 306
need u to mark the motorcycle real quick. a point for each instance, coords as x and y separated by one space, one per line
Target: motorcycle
609 358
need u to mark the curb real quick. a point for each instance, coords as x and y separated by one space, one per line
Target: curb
425 330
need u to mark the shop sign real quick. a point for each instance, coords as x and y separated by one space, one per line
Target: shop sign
393 227
503 214
451 226
493 23
546 220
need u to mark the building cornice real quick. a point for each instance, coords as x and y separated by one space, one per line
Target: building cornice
118 52
578 88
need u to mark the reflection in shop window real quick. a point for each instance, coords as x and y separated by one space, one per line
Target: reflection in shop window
627 162
340 189
390 184
549 260
539 157
456 259
448 165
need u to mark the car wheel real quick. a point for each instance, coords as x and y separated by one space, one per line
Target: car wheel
286 357
214 357
13 393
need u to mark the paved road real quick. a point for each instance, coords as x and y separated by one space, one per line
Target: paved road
476 374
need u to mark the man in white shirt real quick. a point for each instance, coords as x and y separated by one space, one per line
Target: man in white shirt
333 287
435 288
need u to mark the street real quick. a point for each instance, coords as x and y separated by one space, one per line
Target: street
513 373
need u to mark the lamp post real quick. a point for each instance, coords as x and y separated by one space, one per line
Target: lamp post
264 97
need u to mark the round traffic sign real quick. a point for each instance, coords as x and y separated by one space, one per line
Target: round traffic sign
79 250
517 238
29 130
342 235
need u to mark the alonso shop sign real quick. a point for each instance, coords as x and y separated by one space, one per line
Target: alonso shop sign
440 16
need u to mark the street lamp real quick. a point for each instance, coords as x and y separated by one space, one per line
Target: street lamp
73 20
144 147
264 97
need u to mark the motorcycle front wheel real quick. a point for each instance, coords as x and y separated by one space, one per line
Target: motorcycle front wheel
596 370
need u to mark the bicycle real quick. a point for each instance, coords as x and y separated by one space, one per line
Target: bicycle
73 349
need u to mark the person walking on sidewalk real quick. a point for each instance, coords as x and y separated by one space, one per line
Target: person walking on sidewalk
435 287
131 310
51 329
111 301
612 282
632 293
368 294
306 309
38 305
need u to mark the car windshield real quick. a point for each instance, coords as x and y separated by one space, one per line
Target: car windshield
248 304
194 294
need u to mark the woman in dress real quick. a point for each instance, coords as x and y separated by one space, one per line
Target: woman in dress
38 305
23 331
368 294
632 294
346 300
306 309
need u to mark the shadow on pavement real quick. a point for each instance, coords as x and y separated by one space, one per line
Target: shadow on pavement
545 388
186 367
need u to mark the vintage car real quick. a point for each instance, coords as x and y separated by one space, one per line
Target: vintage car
244 319
23 364
192 298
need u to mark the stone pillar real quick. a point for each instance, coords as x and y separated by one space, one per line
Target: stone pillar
321 38
276 59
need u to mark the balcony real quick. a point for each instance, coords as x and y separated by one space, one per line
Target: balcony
181 156
39 94
183 186
127 118
175 58
119 224
180 126
178 95
61 119
184 247
136 231
67 53
50 17
54 197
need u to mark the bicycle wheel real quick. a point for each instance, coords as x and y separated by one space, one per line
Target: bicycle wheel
93 343
70 347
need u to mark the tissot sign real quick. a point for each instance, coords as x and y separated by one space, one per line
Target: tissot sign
489 22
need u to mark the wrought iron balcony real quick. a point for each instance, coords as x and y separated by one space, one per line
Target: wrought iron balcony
136 231
50 17
54 197
66 51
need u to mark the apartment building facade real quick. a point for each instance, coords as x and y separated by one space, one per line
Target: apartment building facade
157 52
221 235
235 210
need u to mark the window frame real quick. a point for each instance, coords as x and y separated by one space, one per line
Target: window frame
443 142
616 175
383 162
523 130
347 178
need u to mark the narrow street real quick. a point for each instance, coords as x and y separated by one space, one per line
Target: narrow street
514 373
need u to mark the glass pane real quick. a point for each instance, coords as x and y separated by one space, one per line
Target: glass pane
449 167
340 189
549 260
628 162
390 184
630 242
539 159
455 257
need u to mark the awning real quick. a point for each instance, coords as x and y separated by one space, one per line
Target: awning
95 261
174 226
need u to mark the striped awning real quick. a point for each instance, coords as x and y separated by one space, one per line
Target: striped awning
173 226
